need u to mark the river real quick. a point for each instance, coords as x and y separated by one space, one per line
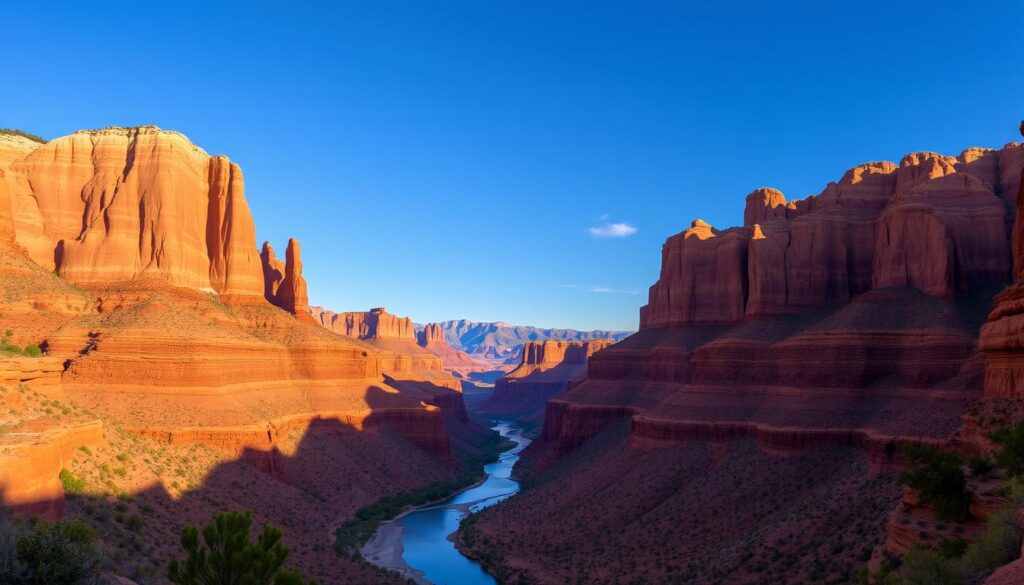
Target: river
416 543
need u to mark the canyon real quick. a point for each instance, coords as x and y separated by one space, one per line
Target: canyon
182 362
160 367
750 431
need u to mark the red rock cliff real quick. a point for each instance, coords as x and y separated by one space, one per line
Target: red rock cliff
933 222
284 285
122 203
373 324
1002 337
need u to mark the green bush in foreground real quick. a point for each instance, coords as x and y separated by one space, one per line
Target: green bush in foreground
7 347
1011 456
939 479
51 553
227 555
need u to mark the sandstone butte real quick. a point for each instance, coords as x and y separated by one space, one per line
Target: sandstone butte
129 255
456 361
846 320
548 368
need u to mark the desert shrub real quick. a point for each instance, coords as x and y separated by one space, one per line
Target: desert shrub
22 133
51 553
228 556
11 348
939 479
32 350
71 482
1011 455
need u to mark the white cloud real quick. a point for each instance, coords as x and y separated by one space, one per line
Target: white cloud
613 230
607 290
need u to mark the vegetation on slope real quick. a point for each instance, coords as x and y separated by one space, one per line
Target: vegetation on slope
227 555
358 530
47 552
23 134
7 347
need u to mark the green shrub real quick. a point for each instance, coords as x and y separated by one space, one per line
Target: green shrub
1011 455
939 480
22 133
227 555
58 552
32 350
72 483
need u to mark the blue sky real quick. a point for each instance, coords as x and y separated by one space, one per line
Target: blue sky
518 161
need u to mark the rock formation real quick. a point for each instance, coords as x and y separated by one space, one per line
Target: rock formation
1002 337
501 344
283 284
832 328
548 368
933 222
119 204
376 323
458 362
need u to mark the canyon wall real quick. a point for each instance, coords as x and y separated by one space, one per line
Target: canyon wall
119 204
851 313
376 323
548 368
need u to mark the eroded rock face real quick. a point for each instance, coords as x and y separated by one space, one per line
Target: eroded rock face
123 203
373 324
938 223
284 285
1002 336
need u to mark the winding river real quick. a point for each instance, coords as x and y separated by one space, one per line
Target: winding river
416 543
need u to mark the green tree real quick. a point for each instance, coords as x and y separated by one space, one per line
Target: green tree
939 479
227 555
1011 456
57 553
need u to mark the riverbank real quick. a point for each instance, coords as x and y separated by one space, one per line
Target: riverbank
434 557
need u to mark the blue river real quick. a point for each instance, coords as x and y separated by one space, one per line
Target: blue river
425 531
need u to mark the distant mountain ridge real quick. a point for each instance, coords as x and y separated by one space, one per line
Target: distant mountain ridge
503 341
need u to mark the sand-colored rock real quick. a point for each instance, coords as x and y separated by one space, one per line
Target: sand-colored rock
123 203
376 323
30 469
284 285
764 205
432 338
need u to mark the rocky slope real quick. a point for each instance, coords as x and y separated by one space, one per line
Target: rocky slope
129 256
825 331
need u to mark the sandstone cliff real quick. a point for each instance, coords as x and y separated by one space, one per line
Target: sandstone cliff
283 284
118 204
459 362
548 369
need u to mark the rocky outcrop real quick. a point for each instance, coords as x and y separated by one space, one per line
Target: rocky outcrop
373 324
849 318
432 338
501 343
284 285
121 204
43 371
30 470
933 222
1002 337
548 369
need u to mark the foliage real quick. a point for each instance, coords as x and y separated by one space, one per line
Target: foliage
356 531
227 555
939 480
10 348
953 563
1011 456
50 553
71 482
22 133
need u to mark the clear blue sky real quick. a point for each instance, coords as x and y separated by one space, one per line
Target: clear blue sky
449 159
